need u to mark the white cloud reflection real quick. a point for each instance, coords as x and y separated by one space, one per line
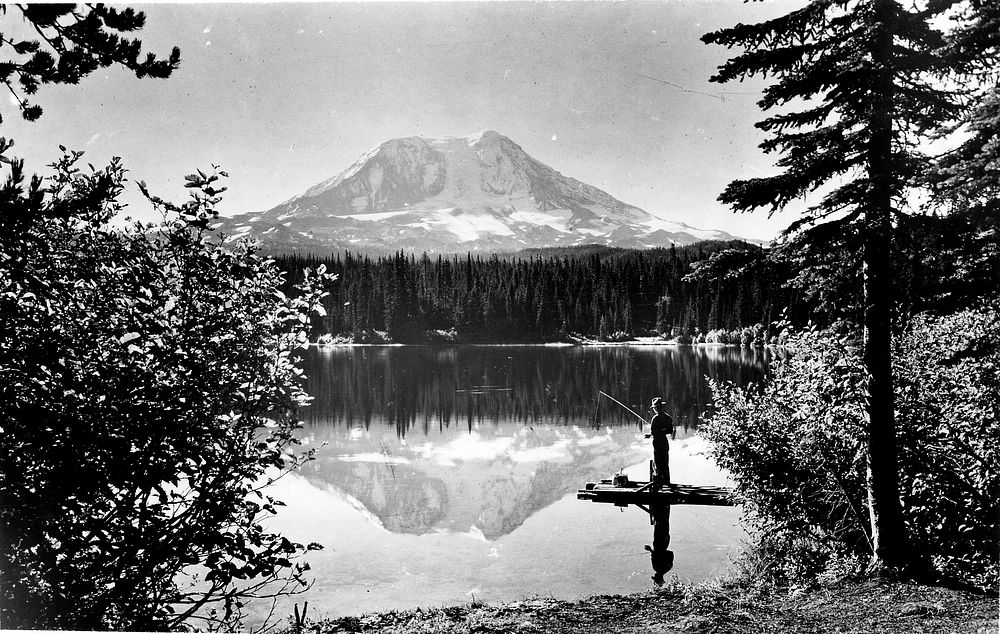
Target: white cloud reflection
465 448
560 452
374 457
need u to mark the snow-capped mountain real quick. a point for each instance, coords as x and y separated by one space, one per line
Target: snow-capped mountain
456 194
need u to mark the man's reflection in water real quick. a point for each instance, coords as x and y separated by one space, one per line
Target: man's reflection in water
659 555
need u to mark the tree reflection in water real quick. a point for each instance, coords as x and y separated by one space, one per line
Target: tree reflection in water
418 388
461 438
447 470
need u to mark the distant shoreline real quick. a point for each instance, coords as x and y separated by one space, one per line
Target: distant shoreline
640 342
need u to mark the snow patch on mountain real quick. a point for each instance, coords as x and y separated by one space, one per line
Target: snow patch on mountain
557 219
376 217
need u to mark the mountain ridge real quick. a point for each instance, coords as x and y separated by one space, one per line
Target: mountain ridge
481 192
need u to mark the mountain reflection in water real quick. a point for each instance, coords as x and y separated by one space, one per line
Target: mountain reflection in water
490 478
444 474
485 436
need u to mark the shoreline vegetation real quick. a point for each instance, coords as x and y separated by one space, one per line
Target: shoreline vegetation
755 336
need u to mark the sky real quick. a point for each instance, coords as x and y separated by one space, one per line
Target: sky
285 95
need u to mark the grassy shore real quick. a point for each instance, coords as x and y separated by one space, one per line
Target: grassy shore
857 606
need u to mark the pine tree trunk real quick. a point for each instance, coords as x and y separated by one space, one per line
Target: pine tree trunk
889 538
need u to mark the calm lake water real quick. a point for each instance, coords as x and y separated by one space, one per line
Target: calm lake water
447 475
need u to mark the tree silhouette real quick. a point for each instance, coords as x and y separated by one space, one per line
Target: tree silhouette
862 70
67 43
966 176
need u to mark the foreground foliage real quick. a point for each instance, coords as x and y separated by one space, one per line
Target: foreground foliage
147 397
795 447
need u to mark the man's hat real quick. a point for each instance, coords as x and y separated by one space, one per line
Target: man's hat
656 402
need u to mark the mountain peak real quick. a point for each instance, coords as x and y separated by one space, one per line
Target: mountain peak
481 192
485 136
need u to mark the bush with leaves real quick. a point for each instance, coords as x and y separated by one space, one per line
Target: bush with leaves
948 402
148 385
795 447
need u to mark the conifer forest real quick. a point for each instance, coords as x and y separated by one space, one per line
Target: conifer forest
709 292
605 294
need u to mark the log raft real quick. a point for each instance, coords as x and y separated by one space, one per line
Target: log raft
622 492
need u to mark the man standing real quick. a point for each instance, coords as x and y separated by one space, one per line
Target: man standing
660 428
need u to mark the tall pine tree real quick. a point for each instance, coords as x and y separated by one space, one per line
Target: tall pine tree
968 175
852 83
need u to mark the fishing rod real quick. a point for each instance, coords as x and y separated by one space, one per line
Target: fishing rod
629 409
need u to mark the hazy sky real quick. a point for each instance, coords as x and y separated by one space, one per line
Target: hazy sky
286 95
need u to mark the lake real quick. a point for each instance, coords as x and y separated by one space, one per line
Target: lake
447 475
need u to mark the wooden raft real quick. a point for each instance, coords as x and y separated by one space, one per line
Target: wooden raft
640 493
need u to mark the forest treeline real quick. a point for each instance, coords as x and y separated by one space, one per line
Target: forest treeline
712 291
600 293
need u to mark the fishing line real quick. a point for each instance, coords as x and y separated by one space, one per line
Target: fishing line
629 409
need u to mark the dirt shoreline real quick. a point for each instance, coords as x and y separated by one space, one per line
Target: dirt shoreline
862 606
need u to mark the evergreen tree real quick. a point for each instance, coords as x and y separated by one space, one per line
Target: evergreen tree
966 177
74 42
662 326
689 324
602 332
862 69
627 325
713 311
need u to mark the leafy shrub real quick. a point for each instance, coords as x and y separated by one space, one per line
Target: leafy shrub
721 336
324 340
683 339
948 407
375 337
618 336
796 448
441 336
147 399
755 335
